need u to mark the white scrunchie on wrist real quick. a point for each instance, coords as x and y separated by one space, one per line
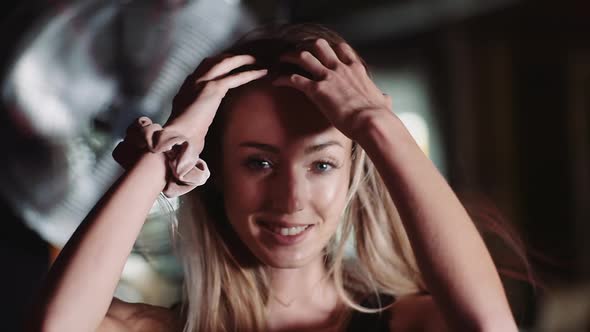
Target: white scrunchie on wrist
186 170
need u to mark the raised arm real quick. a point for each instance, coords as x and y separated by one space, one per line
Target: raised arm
80 285
452 257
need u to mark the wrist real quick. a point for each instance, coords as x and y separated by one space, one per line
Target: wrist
190 125
384 129
368 124
156 163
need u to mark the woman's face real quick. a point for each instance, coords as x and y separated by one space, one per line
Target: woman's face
285 175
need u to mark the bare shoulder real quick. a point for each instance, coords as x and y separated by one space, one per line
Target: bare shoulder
416 313
131 317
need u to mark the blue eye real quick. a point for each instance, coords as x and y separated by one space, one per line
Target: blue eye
323 166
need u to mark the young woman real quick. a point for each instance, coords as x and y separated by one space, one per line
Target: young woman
308 163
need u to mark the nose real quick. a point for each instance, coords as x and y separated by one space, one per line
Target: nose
288 192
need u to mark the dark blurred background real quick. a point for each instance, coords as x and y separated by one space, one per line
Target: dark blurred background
497 92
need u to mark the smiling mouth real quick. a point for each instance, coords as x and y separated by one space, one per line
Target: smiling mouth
285 231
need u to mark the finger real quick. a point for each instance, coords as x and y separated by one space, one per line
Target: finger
324 52
345 53
226 65
307 61
148 133
207 63
136 125
239 79
136 131
295 81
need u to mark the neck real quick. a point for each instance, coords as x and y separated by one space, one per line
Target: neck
298 287
303 299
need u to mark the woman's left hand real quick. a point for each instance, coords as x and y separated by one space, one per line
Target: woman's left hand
340 88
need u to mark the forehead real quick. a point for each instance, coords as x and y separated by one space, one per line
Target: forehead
276 115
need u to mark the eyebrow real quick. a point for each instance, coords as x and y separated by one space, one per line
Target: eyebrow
273 149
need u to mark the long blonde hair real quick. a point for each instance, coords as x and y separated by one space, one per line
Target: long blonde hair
224 290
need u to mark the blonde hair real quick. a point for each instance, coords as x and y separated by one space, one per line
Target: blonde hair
224 290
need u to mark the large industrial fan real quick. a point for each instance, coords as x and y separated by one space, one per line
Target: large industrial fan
79 76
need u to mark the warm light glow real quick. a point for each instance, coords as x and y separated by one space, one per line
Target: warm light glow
417 127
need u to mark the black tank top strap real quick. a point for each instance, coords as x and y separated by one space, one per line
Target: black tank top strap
374 322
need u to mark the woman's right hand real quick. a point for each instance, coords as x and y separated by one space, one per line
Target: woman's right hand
97 251
194 107
199 97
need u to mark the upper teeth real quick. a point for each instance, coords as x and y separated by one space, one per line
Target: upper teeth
288 231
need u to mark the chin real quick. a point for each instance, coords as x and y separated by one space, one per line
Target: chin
284 260
285 266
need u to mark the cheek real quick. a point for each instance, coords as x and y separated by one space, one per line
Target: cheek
242 196
329 196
